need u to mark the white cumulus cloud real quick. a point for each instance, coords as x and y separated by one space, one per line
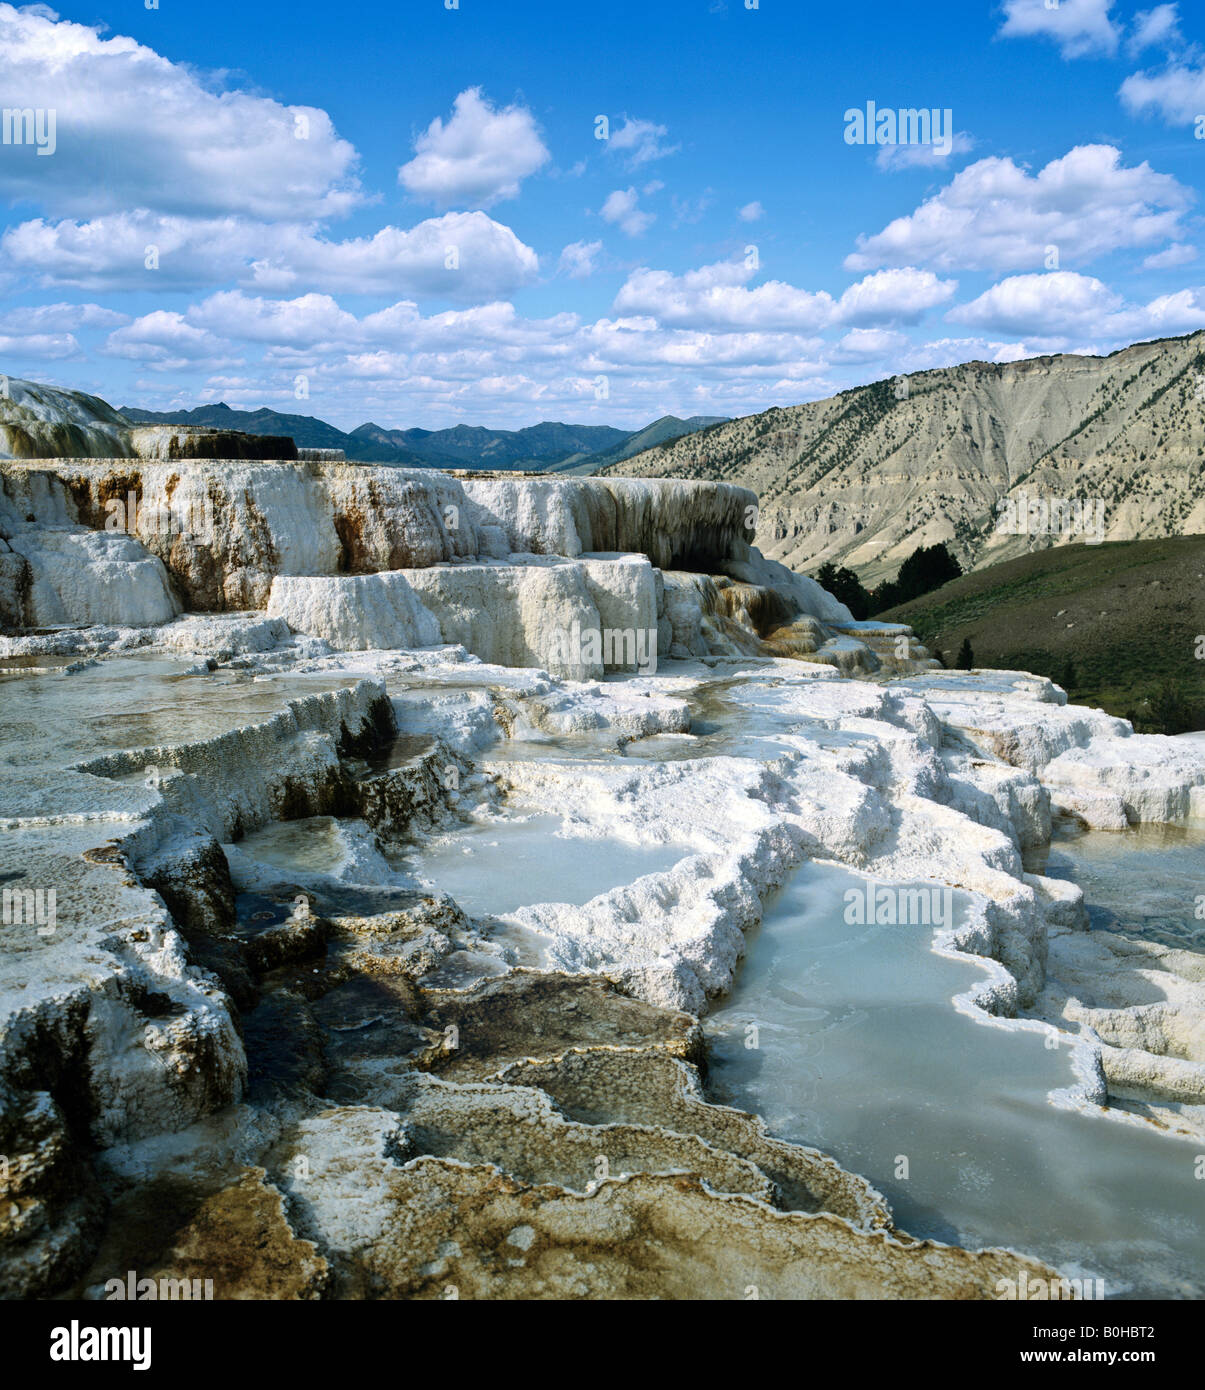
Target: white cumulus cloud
479 156
1056 303
868 345
578 259
640 141
717 299
996 215
134 130
164 340
1176 255
459 256
1081 28
1157 28
1062 306
622 209
1177 93
58 318
894 296
42 347
892 159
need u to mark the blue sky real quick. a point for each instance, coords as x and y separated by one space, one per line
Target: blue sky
402 212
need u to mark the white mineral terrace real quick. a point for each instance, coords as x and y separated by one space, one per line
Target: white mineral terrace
323 853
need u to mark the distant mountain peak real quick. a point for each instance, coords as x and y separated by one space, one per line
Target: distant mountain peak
550 445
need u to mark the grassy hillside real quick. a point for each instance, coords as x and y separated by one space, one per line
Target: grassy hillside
1117 624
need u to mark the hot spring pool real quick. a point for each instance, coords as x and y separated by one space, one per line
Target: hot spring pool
861 1053
497 866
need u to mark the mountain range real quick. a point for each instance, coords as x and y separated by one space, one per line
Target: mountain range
977 456
550 446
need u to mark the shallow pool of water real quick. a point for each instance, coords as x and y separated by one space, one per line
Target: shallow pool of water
497 866
1146 879
137 700
860 1052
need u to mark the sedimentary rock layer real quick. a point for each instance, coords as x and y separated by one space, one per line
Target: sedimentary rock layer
865 477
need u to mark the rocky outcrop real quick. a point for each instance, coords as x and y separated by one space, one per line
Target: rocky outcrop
52 578
51 1207
545 612
676 525
564 574
357 612
437 1228
1096 769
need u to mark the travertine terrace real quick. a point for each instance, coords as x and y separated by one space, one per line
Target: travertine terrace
251 1041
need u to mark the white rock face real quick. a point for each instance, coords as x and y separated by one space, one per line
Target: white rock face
55 571
355 612
320 518
80 578
1093 764
668 521
225 529
223 635
38 421
573 618
806 593
698 626
635 709
1151 777
512 615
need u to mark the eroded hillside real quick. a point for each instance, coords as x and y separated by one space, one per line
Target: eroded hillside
865 477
